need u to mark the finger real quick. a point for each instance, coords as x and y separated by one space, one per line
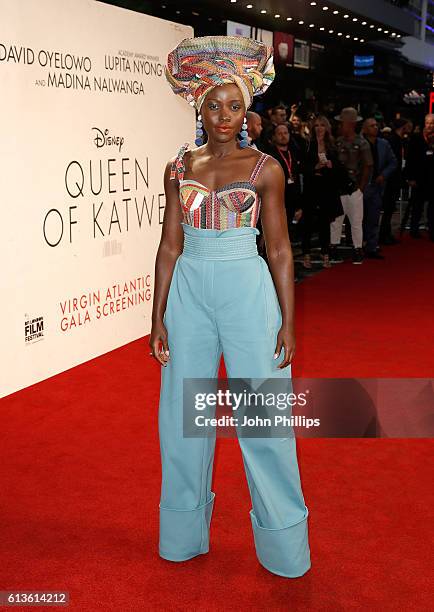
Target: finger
286 361
156 352
165 347
278 349
163 351
151 349
154 348
161 358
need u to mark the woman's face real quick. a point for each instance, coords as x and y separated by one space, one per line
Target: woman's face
296 123
320 129
223 112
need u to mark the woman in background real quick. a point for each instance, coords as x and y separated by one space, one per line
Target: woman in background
324 176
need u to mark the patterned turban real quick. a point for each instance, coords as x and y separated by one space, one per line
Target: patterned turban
199 64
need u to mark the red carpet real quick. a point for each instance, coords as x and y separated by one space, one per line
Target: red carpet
80 472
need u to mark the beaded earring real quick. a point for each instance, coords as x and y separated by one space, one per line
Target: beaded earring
244 134
199 131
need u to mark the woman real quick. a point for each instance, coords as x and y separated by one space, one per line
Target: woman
299 134
324 177
214 294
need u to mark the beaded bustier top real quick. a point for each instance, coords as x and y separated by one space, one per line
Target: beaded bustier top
236 204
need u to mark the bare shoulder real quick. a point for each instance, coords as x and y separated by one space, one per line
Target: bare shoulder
253 154
168 168
271 178
191 155
172 161
271 173
188 157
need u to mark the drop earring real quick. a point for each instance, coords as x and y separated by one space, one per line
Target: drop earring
244 135
199 131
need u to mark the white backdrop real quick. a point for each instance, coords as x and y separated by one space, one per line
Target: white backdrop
88 122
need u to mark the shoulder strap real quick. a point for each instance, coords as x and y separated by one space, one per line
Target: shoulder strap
257 169
178 168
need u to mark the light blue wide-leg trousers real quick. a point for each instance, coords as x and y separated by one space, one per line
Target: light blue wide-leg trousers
222 300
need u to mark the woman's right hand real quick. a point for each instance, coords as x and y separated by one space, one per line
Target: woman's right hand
158 343
320 165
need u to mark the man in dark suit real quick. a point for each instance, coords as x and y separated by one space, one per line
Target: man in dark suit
285 151
384 166
420 176
401 128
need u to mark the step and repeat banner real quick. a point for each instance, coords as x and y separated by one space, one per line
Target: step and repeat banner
88 123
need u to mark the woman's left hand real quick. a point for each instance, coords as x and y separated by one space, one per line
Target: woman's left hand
298 214
285 341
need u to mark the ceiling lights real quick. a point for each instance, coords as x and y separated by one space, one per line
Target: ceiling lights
325 8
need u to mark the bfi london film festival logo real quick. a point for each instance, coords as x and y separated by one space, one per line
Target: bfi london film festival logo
33 329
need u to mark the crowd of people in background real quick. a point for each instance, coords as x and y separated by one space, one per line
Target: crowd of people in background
351 172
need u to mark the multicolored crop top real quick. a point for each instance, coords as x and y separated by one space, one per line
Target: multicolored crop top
236 204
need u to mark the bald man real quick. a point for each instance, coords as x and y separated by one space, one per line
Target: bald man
420 176
254 128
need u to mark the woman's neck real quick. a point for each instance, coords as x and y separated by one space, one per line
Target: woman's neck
221 149
321 143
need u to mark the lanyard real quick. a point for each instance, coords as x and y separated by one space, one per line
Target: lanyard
288 161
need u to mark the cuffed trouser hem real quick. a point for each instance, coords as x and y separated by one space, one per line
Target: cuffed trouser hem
284 552
184 534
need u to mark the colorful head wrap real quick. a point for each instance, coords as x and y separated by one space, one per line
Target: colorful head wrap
197 65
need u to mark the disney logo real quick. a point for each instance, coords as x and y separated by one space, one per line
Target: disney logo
103 139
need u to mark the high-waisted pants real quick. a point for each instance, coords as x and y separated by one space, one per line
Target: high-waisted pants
222 299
